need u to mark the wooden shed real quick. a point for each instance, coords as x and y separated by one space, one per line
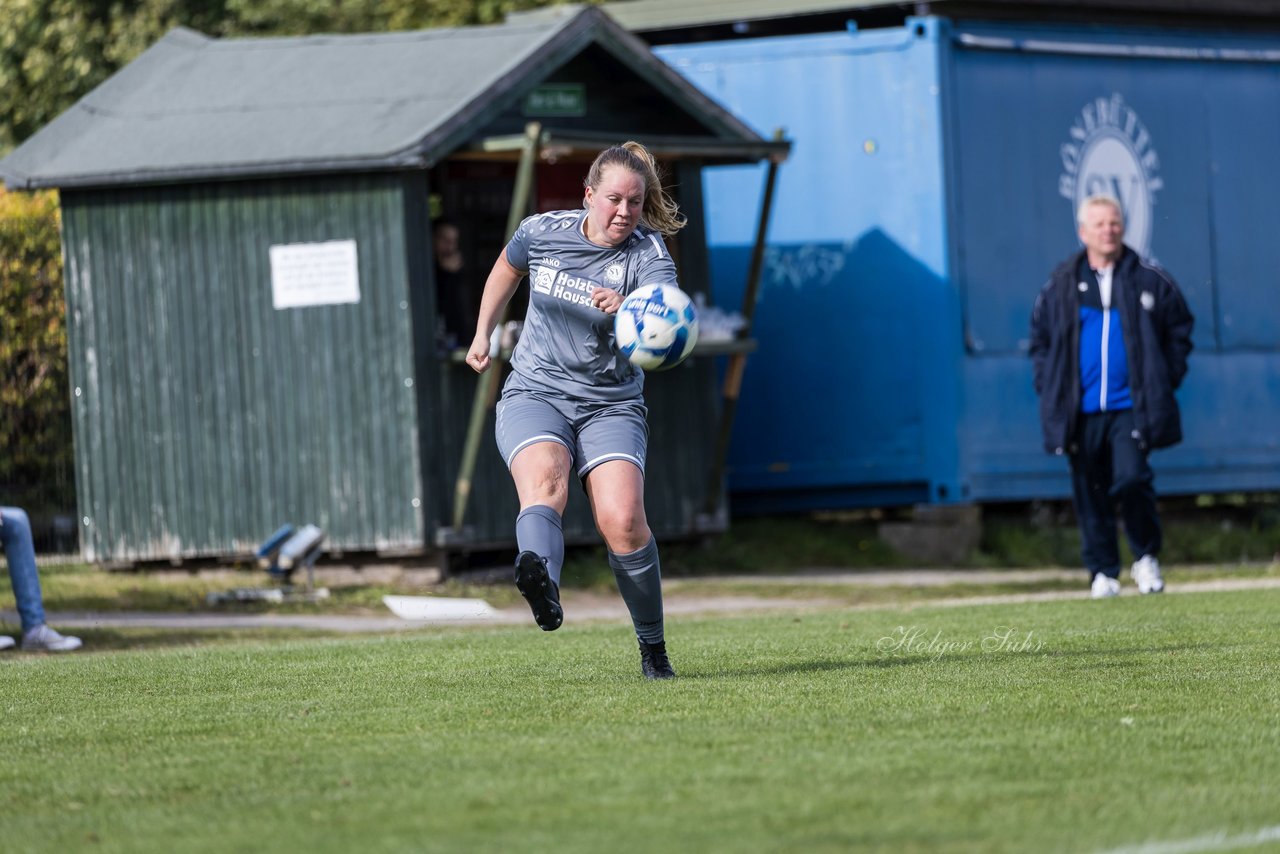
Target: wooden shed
255 334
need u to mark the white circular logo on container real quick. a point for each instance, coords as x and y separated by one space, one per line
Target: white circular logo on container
1109 152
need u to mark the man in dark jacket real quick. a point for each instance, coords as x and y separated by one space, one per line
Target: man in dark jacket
1110 335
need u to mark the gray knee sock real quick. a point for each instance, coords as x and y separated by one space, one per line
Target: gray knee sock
539 530
640 583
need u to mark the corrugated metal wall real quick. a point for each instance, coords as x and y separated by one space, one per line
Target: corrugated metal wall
204 417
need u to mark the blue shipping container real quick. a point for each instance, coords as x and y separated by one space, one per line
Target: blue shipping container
932 186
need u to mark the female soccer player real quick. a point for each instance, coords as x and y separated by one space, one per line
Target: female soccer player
572 402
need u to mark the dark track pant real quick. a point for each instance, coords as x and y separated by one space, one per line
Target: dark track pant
1110 467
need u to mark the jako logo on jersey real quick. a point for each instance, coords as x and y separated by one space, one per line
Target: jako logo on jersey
1110 152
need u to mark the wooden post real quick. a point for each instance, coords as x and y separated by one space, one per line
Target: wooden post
487 387
738 361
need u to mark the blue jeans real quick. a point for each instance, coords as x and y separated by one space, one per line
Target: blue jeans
20 553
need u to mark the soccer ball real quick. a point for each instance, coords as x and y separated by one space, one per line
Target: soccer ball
656 327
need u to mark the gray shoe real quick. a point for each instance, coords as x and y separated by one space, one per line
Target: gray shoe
44 639
6 642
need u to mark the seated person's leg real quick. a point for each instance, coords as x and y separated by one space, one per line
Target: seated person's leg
20 554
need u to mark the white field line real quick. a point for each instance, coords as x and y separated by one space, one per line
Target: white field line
750 602
1210 842
603 607
1216 585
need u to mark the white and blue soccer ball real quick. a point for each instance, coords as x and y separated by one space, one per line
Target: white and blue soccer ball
656 327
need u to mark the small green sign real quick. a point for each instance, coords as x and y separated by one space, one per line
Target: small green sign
557 99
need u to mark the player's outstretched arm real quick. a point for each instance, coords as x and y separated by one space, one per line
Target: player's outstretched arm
498 289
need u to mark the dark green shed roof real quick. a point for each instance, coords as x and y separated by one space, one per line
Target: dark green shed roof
194 108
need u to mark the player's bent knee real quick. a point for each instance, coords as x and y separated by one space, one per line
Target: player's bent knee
541 475
624 532
545 487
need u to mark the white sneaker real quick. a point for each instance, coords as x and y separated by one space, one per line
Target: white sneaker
6 642
1146 574
44 639
1104 587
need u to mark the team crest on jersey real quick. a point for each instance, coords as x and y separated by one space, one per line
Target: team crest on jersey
614 272
542 280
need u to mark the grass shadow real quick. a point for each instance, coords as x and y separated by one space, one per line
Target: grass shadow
890 661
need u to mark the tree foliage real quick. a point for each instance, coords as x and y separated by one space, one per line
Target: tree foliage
53 52
35 412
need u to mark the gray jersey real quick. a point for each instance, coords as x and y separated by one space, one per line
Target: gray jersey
567 344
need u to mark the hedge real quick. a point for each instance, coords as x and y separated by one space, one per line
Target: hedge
36 460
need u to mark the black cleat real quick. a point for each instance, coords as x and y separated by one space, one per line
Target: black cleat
536 586
654 662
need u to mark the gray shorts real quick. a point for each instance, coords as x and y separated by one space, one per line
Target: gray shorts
593 433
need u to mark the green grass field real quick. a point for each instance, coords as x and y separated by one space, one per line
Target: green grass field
1056 726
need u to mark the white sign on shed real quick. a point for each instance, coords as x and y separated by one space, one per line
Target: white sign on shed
307 274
